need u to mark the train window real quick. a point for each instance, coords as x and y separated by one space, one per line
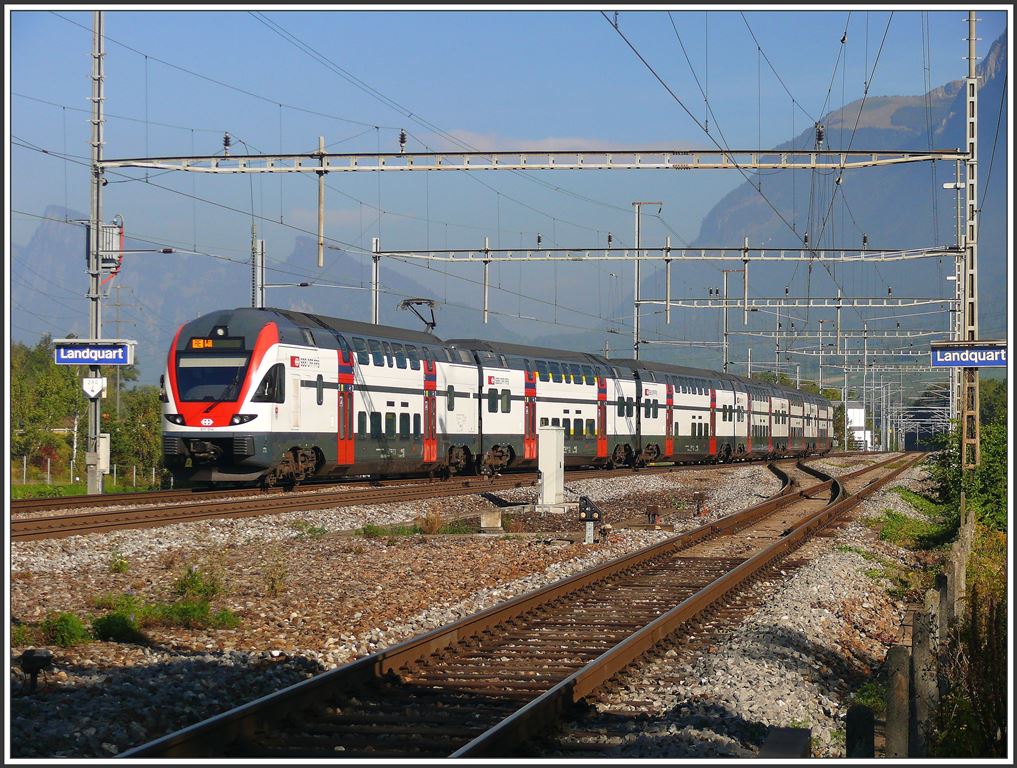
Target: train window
591 428
390 361
555 422
621 405
492 401
706 430
375 424
344 345
361 346
647 407
630 407
656 408
526 366
404 425
411 354
162 390
272 387
588 375
555 371
319 385
400 355
416 425
376 358
577 373
543 421
390 425
566 429
362 423
426 354
451 393
506 401
542 373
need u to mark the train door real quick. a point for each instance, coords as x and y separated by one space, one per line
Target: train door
601 417
293 397
713 421
669 422
344 420
530 415
769 424
430 394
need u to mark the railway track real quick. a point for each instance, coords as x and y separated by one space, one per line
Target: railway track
214 506
486 684
84 501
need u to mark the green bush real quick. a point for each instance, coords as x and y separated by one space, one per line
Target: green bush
117 563
910 532
118 628
871 694
22 634
196 583
64 629
306 530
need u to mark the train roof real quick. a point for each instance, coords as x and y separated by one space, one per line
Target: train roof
523 350
306 319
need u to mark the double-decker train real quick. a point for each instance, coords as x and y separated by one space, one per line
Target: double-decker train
276 396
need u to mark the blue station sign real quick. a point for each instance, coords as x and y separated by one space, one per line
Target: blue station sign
979 354
88 352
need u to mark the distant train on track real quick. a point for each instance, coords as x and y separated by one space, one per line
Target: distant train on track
274 396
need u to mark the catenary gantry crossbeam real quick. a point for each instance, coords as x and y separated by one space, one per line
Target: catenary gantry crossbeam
559 160
665 253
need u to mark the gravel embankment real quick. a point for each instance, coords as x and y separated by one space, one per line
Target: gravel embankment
793 662
335 597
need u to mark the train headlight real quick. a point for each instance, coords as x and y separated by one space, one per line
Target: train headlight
175 418
243 418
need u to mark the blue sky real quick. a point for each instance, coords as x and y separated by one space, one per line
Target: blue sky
509 79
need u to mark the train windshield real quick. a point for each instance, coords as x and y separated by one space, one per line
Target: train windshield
210 379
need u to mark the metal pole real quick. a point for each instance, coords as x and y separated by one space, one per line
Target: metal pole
487 266
134 475
667 280
375 247
970 451
749 371
865 380
843 400
261 275
798 376
321 204
635 293
254 266
776 352
821 358
638 206
94 479
725 321
24 469
117 323
745 281
48 468
957 375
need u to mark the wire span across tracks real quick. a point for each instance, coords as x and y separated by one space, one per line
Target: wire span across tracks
482 686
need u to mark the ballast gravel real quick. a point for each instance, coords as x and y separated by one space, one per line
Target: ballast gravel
308 600
793 662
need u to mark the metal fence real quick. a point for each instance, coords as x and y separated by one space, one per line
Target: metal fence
61 472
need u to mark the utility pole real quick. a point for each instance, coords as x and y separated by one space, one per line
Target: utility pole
865 380
821 357
375 277
94 476
725 320
638 206
776 352
970 429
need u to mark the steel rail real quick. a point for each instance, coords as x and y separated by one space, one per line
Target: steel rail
210 735
549 707
62 526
